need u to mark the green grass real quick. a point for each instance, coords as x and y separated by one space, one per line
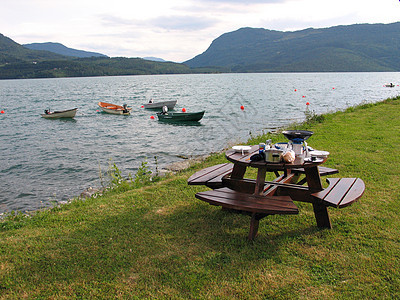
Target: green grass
159 241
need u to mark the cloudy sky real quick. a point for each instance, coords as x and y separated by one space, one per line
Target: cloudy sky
174 30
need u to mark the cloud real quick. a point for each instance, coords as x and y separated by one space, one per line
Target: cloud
111 20
188 23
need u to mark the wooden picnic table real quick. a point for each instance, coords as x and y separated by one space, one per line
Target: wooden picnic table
285 184
261 198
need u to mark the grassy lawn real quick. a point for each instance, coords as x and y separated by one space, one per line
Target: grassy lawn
159 241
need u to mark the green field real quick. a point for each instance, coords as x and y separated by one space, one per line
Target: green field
159 242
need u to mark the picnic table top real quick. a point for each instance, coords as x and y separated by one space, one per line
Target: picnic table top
244 159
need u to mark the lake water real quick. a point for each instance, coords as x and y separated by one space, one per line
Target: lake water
45 161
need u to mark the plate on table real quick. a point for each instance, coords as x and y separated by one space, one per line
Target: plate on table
319 153
241 149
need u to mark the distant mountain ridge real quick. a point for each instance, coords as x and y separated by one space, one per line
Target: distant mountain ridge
12 52
62 50
357 48
18 62
351 48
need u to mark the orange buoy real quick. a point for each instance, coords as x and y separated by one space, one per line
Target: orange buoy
242 107
308 103
2 112
142 106
295 90
183 109
152 117
304 96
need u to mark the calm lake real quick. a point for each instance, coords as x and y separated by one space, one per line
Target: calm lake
45 161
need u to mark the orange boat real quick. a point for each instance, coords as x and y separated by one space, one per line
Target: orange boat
115 109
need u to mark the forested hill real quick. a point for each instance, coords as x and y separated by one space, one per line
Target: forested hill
357 48
352 48
63 50
12 52
18 62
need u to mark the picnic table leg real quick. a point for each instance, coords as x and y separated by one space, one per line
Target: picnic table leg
254 222
260 181
238 171
320 210
321 215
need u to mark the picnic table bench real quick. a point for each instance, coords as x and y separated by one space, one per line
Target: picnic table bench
258 206
341 192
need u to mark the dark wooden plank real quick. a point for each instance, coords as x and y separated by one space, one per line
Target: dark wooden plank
217 181
237 157
323 171
240 201
355 193
241 185
246 185
207 174
322 194
339 191
271 187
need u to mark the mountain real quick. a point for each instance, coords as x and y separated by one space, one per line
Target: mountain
63 50
11 52
356 48
18 62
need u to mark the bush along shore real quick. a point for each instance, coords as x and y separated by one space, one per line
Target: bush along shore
154 239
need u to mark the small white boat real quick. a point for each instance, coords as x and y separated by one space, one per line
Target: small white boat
157 105
69 113
115 109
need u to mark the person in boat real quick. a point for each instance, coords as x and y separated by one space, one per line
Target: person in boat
165 110
47 111
151 100
125 106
